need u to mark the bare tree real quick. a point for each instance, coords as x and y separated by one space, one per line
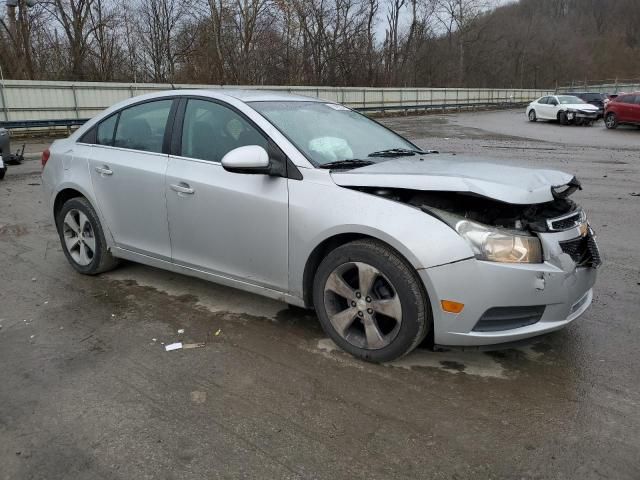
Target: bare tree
458 17
159 23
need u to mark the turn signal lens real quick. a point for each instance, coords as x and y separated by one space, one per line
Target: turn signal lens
451 306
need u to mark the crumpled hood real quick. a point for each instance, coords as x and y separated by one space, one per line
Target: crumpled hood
457 173
580 106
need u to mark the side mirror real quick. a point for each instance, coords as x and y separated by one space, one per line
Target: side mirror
248 159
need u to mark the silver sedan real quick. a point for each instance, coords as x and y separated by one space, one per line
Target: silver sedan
311 203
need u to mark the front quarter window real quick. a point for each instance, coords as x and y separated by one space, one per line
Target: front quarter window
106 130
327 132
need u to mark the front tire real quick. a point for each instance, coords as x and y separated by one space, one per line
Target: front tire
563 119
82 238
611 121
3 171
370 301
532 115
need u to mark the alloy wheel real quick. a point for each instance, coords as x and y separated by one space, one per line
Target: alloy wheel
610 120
79 237
362 305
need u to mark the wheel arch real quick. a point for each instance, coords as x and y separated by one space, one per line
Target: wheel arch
329 244
63 196
68 191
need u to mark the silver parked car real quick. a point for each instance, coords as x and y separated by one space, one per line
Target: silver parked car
311 203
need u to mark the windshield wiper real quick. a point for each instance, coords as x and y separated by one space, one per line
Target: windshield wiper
351 163
400 152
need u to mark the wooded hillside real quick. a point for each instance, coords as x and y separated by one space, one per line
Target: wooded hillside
529 43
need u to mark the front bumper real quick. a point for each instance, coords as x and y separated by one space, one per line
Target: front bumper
572 115
562 287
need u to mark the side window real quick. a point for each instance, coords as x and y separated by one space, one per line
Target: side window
543 100
211 130
142 127
105 130
626 99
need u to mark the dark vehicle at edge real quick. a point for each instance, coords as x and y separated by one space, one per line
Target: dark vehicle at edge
594 98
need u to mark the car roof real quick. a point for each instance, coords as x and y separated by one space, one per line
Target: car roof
250 95
245 95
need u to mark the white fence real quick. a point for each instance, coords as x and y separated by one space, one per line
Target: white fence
602 88
22 100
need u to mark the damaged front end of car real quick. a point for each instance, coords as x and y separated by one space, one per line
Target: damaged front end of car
532 255
511 233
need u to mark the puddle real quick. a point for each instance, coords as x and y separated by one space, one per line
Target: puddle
213 297
455 362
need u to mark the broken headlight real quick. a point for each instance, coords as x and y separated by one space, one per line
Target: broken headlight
495 244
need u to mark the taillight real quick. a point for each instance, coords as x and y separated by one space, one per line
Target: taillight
45 157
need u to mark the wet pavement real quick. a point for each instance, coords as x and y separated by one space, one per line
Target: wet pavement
87 390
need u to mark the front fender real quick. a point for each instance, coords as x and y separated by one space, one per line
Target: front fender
319 210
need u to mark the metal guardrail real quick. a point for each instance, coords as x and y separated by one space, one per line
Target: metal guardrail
77 122
34 100
610 88
15 124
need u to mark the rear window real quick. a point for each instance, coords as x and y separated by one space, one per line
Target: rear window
142 126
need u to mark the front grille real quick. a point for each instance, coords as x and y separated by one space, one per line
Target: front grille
506 318
583 250
566 222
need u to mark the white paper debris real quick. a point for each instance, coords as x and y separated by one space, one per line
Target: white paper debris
181 330
173 346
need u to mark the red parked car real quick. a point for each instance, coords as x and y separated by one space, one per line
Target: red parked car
623 109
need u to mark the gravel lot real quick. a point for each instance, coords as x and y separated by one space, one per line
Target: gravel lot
87 390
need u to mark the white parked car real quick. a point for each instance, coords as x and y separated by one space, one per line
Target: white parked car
565 109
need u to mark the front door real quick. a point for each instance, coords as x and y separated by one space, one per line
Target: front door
229 224
127 170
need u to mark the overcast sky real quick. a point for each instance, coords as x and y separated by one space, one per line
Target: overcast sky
405 17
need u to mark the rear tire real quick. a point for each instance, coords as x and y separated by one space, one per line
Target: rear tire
2 172
532 115
370 301
611 121
82 238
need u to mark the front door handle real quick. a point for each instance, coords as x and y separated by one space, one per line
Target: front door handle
182 188
104 170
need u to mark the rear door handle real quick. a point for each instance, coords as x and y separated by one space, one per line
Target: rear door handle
104 170
182 188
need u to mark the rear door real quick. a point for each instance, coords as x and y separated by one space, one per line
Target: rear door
229 224
625 107
549 109
541 107
634 112
128 164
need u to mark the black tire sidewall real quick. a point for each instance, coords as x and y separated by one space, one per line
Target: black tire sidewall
416 317
534 117
83 205
615 121
563 119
